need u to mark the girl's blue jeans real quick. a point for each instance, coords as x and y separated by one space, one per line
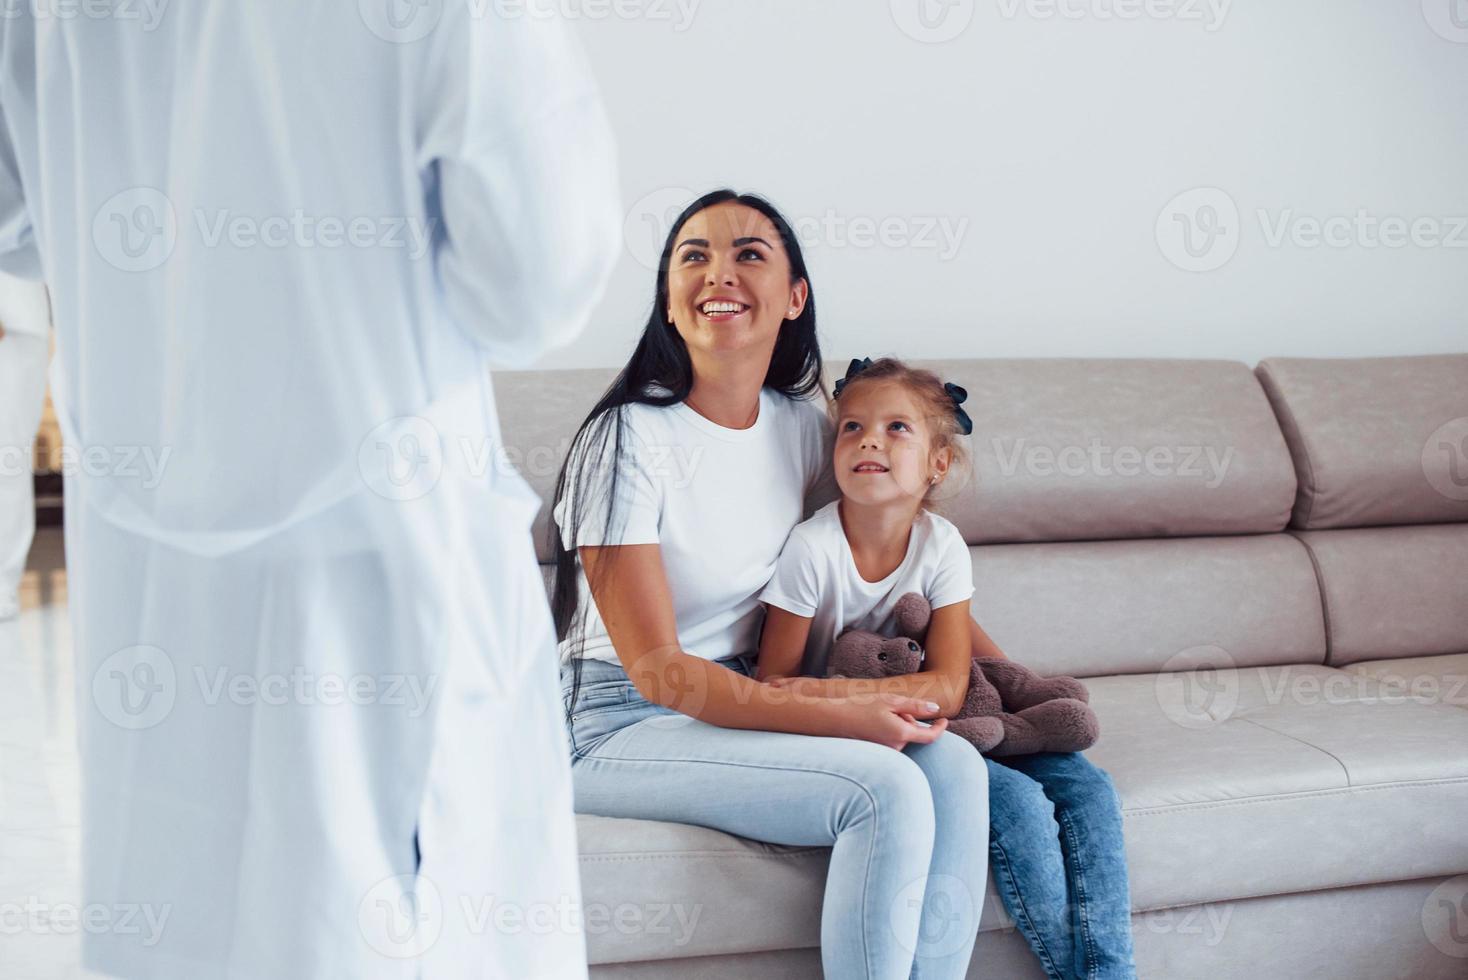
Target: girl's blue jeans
908 831
1059 863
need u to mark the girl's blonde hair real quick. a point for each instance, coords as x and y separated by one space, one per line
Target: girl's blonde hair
938 410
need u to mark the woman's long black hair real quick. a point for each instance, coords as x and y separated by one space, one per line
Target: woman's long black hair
661 373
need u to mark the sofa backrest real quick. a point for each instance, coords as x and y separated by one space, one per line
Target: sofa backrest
1380 447
1130 515
1076 449
1380 440
540 412
1126 516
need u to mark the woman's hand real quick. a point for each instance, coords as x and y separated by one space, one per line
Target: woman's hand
887 719
867 714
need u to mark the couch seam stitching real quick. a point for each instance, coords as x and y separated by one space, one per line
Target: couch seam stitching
1260 896
682 855
1346 772
1268 381
1324 596
1273 797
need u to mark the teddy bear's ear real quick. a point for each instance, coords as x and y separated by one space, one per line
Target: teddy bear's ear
912 612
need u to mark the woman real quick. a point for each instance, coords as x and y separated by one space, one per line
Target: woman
682 485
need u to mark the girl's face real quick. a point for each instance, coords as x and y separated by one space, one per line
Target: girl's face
729 285
882 440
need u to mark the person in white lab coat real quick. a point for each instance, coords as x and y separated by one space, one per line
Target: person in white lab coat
319 714
24 350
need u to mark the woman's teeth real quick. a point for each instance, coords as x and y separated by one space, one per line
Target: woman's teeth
724 309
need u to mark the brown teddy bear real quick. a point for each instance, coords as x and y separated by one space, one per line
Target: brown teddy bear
1008 710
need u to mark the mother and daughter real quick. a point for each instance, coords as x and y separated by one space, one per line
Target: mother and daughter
690 597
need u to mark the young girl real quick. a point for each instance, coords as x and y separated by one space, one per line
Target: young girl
1055 821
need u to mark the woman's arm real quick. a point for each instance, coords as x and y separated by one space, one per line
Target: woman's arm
631 592
982 645
781 643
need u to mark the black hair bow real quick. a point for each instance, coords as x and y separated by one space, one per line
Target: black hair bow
857 366
965 424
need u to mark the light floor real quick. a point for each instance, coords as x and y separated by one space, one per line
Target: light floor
39 778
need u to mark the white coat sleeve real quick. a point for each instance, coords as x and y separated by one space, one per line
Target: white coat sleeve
18 253
518 151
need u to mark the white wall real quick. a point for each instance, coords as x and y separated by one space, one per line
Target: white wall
1050 145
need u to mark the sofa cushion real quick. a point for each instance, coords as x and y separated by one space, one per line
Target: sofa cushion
1403 930
1276 779
670 889
1081 449
1279 779
1429 680
1392 591
1380 440
1115 607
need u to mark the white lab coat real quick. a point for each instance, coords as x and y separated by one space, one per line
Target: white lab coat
227 201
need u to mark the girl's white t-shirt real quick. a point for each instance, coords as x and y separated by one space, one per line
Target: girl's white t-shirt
816 577
719 502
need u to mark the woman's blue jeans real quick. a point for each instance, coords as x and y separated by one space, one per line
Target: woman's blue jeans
908 830
1059 863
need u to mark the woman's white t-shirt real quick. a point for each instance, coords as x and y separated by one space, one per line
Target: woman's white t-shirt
816 577
719 502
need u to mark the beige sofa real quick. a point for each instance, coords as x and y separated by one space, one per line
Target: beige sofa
1263 576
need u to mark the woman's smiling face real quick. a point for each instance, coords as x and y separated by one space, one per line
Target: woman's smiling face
729 282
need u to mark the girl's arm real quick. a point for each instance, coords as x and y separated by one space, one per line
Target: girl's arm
630 588
943 679
947 656
781 644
